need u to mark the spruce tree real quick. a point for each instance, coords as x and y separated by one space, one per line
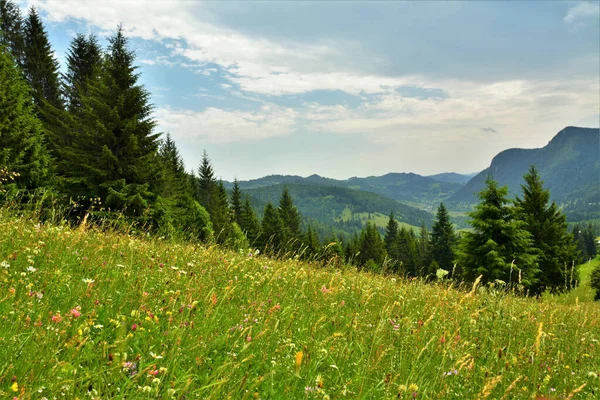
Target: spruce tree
424 251
443 240
84 64
40 66
311 242
498 247
391 242
249 222
23 151
272 235
236 202
371 247
11 31
117 139
220 214
207 183
548 228
289 215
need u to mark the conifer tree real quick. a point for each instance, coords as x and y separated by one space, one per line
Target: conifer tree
23 151
40 66
392 243
207 183
11 31
498 247
118 136
548 228
289 215
443 240
311 241
424 251
372 252
220 214
272 230
84 64
249 223
236 202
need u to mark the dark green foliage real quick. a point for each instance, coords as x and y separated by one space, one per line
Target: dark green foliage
84 62
249 222
220 214
22 151
371 248
496 241
311 243
443 240
408 250
423 252
236 203
40 66
117 148
392 242
272 237
595 282
547 225
289 215
11 31
207 183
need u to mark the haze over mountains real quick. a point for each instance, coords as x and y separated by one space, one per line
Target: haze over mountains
569 164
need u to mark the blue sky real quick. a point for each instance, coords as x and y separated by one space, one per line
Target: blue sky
347 89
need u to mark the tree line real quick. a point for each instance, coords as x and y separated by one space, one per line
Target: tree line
88 137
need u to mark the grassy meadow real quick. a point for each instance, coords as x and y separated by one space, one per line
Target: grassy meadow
85 313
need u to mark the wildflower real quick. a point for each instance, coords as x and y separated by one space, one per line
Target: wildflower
56 318
412 387
342 303
14 387
319 382
133 327
299 356
325 290
249 339
31 269
75 313
88 281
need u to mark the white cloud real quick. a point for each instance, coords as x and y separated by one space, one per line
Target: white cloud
224 126
583 10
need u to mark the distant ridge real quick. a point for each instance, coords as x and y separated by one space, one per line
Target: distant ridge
569 165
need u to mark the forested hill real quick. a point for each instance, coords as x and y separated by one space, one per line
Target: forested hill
341 207
452 177
569 165
406 187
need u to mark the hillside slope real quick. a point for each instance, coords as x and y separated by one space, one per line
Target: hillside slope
569 165
104 315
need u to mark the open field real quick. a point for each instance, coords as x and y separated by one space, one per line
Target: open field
105 315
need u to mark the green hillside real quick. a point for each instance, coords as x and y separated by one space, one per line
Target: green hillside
105 315
569 166
344 209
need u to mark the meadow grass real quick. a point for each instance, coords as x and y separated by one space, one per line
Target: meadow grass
87 313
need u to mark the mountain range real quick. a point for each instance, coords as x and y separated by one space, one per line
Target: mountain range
569 165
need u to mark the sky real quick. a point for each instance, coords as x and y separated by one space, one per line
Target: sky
346 89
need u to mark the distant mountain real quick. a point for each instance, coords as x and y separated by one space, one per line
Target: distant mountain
453 177
569 165
345 210
405 187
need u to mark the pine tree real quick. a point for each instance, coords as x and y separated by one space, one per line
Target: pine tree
84 64
117 142
443 240
220 214
424 251
207 183
391 242
372 252
311 242
548 228
23 151
272 230
236 202
589 242
249 223
11 31
497 240
289 215
40 66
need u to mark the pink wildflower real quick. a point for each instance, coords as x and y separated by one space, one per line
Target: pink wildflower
56 318
75 313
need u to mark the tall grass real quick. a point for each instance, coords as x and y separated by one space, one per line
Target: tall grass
90 312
